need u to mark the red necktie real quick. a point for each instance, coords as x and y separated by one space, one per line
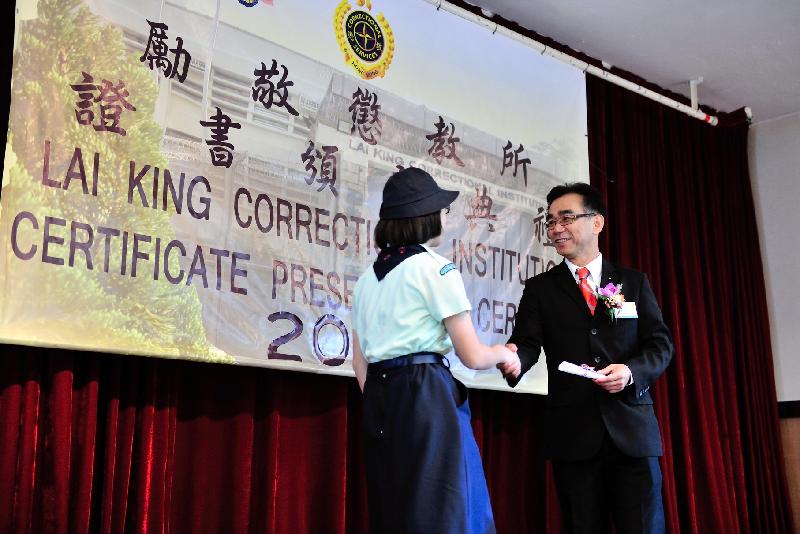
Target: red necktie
586 290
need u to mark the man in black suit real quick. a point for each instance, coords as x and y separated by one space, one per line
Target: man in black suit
601 434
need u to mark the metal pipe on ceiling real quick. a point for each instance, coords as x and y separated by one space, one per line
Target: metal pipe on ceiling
577 63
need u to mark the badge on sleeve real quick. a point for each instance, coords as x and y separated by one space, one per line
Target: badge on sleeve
447 268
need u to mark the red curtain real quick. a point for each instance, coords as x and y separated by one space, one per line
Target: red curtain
107 443
681 209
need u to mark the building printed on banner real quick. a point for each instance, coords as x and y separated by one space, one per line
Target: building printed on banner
315 141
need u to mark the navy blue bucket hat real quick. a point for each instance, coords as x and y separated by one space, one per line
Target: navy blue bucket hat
413 192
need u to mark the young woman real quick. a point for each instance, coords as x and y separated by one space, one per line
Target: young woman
424 472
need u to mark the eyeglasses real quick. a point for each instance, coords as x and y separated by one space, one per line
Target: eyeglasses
565 220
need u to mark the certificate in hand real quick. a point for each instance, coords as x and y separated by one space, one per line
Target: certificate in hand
573 369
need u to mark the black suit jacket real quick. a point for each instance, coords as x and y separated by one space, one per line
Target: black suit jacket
553 316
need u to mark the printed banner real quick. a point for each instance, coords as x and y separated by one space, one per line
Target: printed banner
201 179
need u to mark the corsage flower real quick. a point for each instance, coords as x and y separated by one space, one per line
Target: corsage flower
611 295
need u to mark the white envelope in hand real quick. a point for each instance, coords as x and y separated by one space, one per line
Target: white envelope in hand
628 311
571 368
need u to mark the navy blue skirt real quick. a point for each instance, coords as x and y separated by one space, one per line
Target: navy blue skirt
424 471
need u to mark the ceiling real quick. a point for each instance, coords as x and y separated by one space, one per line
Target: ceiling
746 51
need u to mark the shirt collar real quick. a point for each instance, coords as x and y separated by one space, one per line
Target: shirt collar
595 269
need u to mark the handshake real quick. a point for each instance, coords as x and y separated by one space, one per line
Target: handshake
510 366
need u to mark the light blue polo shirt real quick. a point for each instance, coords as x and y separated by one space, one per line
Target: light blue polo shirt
404 312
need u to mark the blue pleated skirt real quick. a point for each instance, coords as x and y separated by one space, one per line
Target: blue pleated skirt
424 471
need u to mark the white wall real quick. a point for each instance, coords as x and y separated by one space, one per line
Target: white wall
774 153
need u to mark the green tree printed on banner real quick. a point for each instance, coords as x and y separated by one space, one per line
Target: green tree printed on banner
106 310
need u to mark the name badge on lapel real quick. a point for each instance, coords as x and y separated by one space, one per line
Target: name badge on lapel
627 311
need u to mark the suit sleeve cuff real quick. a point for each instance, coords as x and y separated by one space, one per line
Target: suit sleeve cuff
630 380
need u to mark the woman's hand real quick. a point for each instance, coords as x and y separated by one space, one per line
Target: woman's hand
510 366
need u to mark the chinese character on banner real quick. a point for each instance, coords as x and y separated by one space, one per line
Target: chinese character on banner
539 230
113 101
512 158
156 53
85 90
221 150
268 93
444 144
480 207
365 117
327 170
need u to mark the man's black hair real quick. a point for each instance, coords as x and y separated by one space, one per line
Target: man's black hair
592 201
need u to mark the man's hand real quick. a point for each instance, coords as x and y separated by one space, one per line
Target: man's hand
512 367
617 377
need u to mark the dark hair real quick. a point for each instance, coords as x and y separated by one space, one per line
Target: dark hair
592 200
408 231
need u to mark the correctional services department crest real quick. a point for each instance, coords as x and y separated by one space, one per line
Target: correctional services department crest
366 41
